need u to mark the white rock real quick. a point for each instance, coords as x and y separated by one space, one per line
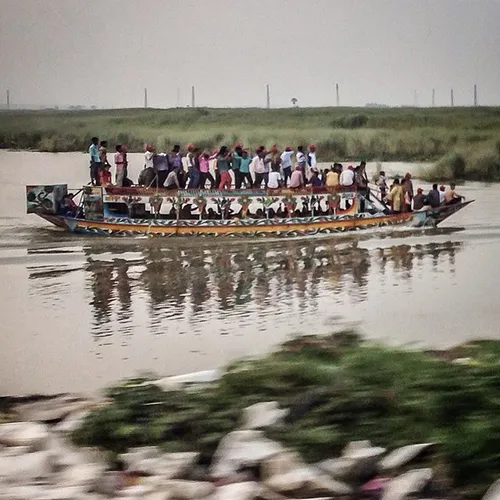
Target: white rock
151 460
187 490
324 484
364 457
29 434
72 422
406 484
25 468
262 415
290 481
32 492
53 409
403 455
286 473
237 491
493 492
280 463
64 493
177 382
137 491
14 451
242 448
362 450
86 475
338 468
307 481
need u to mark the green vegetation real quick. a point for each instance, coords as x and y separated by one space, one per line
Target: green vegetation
392 134
338 389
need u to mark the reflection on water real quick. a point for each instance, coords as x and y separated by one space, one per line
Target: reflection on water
199 284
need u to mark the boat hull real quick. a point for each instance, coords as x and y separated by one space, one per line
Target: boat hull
112 226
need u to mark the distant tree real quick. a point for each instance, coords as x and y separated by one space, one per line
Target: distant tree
294 101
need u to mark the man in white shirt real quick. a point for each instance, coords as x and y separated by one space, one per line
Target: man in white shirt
258 167
286 163
347 177
274 179
311 157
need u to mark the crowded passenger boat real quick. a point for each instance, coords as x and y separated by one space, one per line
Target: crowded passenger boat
235 192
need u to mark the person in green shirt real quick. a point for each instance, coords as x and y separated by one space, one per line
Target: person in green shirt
236 162
245 169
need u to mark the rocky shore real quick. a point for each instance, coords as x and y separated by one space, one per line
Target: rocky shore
261 454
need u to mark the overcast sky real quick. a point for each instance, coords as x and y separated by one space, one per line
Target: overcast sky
104 52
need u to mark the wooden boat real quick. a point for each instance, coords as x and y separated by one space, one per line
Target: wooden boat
139 211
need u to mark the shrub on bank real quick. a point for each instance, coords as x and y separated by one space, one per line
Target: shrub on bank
337 390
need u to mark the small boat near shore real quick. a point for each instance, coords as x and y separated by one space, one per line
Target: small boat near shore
139 211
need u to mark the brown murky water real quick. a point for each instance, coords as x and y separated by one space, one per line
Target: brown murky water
81 312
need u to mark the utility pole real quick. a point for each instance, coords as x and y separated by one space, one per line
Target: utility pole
145 98
8 99
178 97
192 97
433 97
475 95
268 97
452 101
338 96
415 99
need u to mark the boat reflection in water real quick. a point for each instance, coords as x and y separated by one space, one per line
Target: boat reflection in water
181 289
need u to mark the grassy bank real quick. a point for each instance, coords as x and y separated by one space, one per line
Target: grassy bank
338 389
402 134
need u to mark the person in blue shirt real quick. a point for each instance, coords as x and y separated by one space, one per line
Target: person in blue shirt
315 180
95 161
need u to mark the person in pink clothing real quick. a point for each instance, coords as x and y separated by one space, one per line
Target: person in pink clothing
297 179
205 171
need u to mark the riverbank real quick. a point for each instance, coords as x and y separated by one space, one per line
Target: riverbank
314 396
386 134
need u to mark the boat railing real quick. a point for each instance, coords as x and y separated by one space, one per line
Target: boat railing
306 191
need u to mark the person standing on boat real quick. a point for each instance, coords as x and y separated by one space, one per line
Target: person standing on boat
95 161
286 164
275 158
224 166
382 184
119 166
311 158
236 165
193 171
258 166
301 160
149 156
175 162
103 153
126 181
205 171
397 197
245 169
408 188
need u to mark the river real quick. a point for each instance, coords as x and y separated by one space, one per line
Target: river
79 313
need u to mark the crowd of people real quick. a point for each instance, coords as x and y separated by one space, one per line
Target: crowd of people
262 168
